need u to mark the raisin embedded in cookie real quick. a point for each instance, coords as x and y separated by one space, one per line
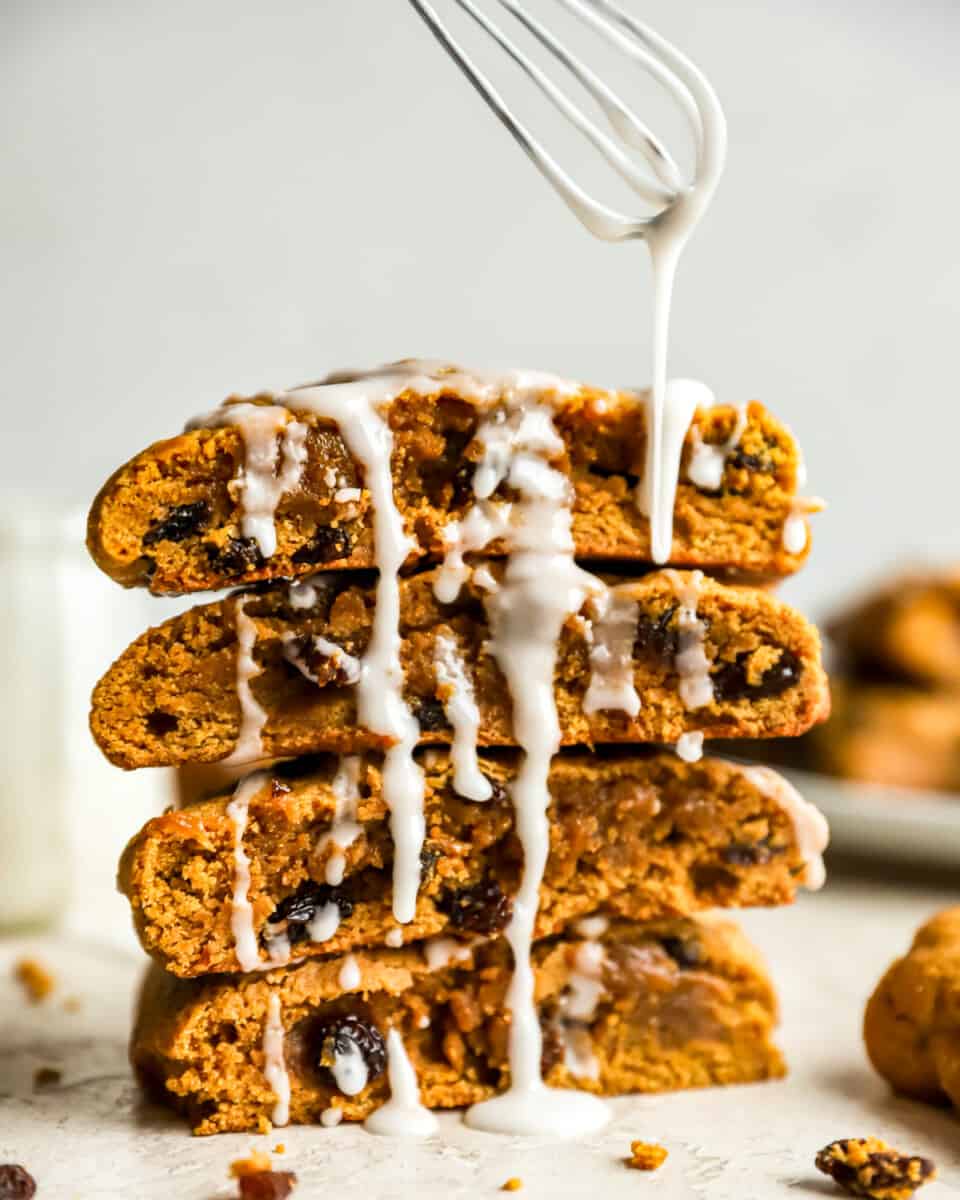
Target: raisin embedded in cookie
174 519
219 1050
640 835
275 670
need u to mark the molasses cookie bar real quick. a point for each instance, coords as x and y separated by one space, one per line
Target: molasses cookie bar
623 1007
274 673
297 861
912 1022
279 486
909 629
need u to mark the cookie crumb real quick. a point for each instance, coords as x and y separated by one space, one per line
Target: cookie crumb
44 1077
34 978
257 1162
72 1004
646 1156
279 1148
512 1185
869 1167
16 1182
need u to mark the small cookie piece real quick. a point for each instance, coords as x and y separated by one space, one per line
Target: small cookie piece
257 1180
646 1156
35 979
172 697
869 1167
912 1022
512 1185
16 1182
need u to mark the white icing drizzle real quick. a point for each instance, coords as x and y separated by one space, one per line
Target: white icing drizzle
249 744
241 911
578 1055
274 1066
541 587
614 631
440 952
331 1117
484 579
810 826
394 938
345 829
342 661
268 471
486 521
347 495
691 662
689 746
708 461
349 1070
325 923
462 713
578 1005
302 593
403 1115
795 531
349 977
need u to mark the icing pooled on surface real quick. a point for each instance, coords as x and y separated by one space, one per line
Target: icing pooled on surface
403 1115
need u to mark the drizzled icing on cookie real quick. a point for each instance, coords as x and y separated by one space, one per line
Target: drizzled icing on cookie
809 824
274 1066
691 662
612 633
249 744
461 711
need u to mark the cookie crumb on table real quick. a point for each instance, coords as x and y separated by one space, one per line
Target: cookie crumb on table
44 1077
257 1180
279 1148
512 1185
34 978
646 1156
869 1167
16 1182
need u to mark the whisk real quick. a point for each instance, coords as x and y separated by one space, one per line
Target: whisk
677 202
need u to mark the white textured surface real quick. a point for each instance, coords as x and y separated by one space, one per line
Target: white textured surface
92 1137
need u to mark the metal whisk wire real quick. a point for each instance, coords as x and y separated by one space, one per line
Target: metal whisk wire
662 184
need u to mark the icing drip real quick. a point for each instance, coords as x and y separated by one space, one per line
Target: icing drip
381 707
689 746
592 927
795 533
541 587
403 1115
484 523
809 824
708 461
691 662
611 658
274 1067
578 1005
342 661
249 746
349 977
325 924
303 593
349 1070
394 938
241 911
586 982
440 952
657 491
462 713
330 1118
345 830
269 471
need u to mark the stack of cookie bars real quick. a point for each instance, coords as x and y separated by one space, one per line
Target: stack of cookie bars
463 826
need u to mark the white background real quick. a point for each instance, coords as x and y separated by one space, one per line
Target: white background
211 196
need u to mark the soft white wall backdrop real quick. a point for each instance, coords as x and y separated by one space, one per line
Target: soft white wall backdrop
200 197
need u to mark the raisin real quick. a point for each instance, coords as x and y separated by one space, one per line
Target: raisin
482 908
428 863
430 716
179 523
238 556
299 908
685 952
266 1185
350 1033
327 545
743 855
749 462
16 1183
869 1167
655 637
730 681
